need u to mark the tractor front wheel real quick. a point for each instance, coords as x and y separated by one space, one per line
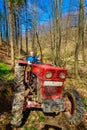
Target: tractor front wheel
74 107
18 99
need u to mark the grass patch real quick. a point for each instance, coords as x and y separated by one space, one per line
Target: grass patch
85 102
30 128
41 116
5 71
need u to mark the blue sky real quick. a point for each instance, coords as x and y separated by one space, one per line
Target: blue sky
46 11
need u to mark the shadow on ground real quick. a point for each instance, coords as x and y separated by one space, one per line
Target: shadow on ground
47 127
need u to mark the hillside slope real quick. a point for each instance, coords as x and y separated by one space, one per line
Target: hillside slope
36 119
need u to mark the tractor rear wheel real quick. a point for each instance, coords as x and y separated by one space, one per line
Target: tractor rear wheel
74 107
18 99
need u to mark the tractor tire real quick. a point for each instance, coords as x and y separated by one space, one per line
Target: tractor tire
74 107
18 98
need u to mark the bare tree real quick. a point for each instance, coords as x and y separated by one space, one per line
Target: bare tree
6 21
1 30
83 44
0 35
60 31
38 41
11 33
58 21
80 35
26 26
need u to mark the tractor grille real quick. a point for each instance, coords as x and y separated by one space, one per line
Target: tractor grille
52 91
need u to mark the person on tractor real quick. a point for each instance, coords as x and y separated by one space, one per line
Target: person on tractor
32 58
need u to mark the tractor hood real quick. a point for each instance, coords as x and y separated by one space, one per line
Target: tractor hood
49 72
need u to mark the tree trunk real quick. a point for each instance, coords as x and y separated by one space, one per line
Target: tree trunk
16 24
26 40
21 47
57 31
11 33
58 10
39 46
33 39
0 39
26 28
80 30
51 41
83 49
60 26
53 32
68 22
83 45
6 20
1 30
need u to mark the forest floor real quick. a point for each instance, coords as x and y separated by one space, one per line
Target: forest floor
36 119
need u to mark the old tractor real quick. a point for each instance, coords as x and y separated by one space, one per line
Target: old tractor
41 86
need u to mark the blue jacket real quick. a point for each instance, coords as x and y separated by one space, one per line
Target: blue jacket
33 59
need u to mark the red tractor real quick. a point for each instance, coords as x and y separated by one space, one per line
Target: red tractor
42 86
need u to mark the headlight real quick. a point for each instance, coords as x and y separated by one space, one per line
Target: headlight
49 75
62 75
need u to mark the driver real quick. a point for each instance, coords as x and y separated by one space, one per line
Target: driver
32 58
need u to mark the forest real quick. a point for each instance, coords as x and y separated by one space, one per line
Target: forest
56 30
